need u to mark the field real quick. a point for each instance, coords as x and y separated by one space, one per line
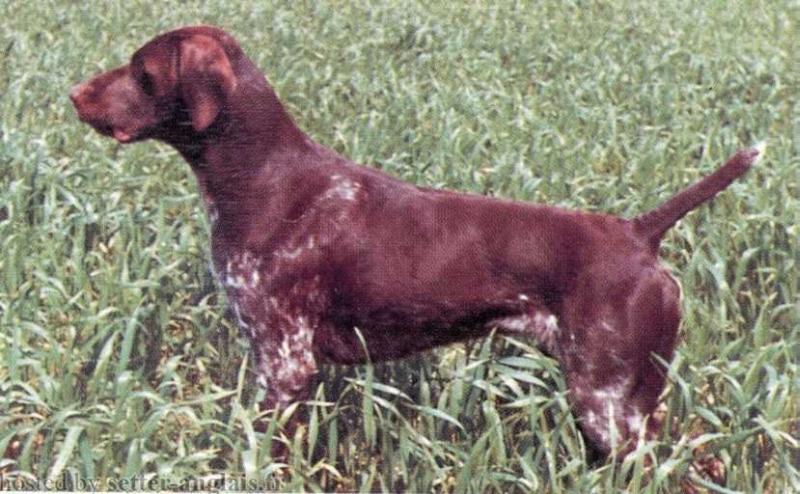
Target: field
119 363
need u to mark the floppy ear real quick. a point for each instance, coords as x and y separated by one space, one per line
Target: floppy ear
206 79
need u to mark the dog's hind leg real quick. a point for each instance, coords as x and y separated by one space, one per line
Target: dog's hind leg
608 358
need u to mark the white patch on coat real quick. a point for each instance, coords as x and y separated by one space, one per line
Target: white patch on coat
343 188
280 325
613 393
514 324
237 311
213 215
542 325
285 371
241 271
607 410
241 277
634 421
295 252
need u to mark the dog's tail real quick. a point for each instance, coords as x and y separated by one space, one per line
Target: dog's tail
653 225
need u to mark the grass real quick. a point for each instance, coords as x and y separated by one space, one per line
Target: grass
117 360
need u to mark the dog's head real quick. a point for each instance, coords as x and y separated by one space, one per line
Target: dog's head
178 82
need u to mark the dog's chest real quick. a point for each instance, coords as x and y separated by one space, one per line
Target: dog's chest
284 281
263 290
241 275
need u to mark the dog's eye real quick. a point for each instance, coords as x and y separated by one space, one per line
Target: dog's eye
147 84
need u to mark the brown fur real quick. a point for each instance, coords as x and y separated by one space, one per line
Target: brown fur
310 246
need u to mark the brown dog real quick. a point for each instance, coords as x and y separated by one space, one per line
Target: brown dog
316 252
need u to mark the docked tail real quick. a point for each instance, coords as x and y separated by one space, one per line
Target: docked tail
654 224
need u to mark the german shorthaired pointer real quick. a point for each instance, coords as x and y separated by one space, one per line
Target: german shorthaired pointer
317 253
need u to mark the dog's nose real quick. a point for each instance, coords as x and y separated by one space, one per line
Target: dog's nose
77 92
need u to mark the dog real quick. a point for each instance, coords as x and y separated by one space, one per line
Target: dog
327 261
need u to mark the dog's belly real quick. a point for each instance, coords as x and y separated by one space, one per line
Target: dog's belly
353 345
395 332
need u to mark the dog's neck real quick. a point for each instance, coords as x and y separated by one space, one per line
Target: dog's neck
252 143
252 126
252 132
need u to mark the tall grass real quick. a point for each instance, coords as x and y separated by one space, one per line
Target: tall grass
117 358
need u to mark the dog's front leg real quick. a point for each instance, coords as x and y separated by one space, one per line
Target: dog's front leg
285 366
